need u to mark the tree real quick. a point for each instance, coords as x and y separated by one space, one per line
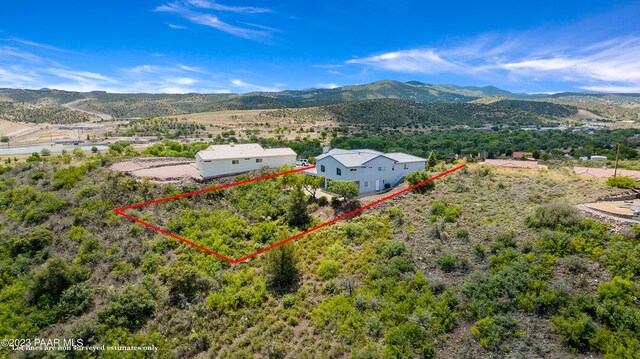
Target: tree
94 149
282 267
536 154
297 213
345 189
311 184
432 161
419 176
45 152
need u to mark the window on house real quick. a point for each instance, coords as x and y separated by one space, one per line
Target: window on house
321 168
338 171
247 159
208 161
381 168
406 166
352 169
235 162
258 160
367 183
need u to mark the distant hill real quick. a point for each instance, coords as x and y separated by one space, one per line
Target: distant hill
393 112
134 105
413 90
547 109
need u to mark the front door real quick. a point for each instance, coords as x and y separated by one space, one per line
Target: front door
377 185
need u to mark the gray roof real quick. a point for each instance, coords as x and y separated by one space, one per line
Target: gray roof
232 151
357 158
401 157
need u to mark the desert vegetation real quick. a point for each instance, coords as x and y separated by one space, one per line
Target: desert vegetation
488 259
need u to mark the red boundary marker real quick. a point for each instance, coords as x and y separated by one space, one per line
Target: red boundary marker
121 210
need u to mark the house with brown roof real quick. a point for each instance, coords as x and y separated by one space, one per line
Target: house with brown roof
519 155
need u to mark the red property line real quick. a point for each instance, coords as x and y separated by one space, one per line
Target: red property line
236 261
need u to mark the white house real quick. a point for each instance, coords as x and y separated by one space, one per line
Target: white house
221 160
371 170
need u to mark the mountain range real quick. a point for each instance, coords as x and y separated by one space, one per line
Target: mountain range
131 105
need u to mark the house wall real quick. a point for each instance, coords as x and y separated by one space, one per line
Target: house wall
222 167
372 176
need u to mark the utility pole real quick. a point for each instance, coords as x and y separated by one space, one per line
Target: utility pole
615 171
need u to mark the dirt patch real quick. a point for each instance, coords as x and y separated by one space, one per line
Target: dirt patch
160 169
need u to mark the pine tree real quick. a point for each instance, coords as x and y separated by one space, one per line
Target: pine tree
297 213
432 161
282 267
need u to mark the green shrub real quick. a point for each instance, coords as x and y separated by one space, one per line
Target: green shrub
479 251
78 233
30 242
53 279
462 234
492 332
620 304
452 212
323 201
556 243
328 269
622 182
185 282
448 263
416 177
553 216
66 178
577 329
243 289
448 212
288 300
623 259
75 300
129 309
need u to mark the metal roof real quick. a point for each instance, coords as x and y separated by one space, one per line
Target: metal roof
356 158
246 150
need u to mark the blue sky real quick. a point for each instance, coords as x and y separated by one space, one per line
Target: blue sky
207 46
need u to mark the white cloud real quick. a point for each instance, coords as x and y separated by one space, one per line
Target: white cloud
79 76
327 86
210 4
243 86
177 27
192 12
612 88
611 63
183 80
425 61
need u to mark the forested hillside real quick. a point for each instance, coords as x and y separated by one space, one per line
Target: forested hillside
542 108
40 112
390 113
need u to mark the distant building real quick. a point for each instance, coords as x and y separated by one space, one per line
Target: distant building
371 170
584 158
598 158
518 155
221 160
